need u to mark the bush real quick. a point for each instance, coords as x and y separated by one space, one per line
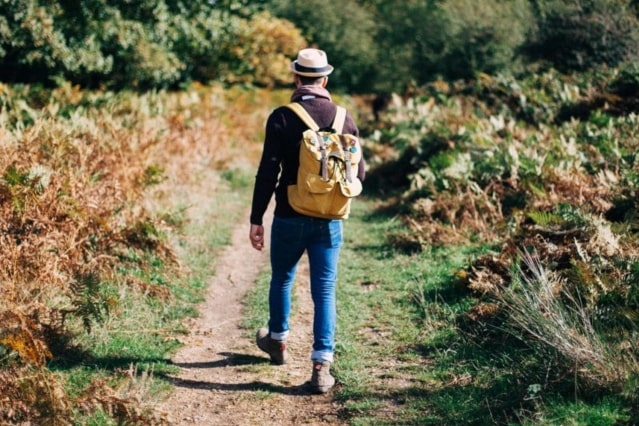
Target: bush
31 46
140 59
464 37
579 35
141 44
421 41
262 50
346 33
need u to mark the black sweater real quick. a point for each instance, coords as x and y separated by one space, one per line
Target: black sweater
280 155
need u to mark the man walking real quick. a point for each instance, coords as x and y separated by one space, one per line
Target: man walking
293 233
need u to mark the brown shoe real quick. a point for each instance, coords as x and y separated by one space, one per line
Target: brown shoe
321 380
275 348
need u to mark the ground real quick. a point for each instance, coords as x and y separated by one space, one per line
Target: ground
224 378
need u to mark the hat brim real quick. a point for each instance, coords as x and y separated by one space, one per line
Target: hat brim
298 69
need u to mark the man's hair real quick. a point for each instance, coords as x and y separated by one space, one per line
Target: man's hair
308 81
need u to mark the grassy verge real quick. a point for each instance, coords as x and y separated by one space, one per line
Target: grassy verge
403 354
132 202
129 351
392 306
406 353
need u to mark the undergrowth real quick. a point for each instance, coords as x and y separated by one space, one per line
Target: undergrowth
96 200
549 315
488 277
411 348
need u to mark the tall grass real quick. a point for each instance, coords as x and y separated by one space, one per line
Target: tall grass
500 161
96 195
541 306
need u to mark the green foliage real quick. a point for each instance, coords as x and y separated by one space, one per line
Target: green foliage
88 302
544 219
376 46
627 81
465 37
141 44
261 52
547 164
579 35
345 31
420 41
30 39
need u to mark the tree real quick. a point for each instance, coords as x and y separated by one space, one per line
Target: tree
345 31
452 38
126 43
576 35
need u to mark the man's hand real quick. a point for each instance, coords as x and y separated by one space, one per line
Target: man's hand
257 236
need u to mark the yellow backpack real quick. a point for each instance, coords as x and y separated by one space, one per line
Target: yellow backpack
327 177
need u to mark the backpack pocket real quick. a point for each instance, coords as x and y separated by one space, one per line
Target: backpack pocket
316 185
351 189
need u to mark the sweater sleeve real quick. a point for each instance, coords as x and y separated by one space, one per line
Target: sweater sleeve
267 172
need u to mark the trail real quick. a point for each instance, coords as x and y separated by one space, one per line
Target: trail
224 378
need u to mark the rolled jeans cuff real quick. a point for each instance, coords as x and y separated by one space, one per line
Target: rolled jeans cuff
279 336
322 356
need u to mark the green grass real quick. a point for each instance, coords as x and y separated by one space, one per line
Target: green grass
404 358
385 302
131 347
256 305
607 412
98 418
404 355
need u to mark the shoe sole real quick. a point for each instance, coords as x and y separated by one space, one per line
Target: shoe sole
265 350
321 389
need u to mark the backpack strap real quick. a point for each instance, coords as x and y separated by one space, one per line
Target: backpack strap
311 124
340 117
347 158
338 126
338 122
303 115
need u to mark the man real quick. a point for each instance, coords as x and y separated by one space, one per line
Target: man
293 233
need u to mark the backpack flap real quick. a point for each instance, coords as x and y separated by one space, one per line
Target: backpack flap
328 159
351 189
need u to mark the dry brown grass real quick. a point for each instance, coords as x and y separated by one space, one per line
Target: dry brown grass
552 315
77 173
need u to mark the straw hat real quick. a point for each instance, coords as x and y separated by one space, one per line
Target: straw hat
311 63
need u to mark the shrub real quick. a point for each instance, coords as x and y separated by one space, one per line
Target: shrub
464 37
346 33
421 41
546 315
262 50
140 58
579 35
31 45
142 44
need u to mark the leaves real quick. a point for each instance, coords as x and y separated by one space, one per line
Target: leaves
73 177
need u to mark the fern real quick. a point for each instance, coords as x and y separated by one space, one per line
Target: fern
572 216
563 215
13 177
88 302
545 219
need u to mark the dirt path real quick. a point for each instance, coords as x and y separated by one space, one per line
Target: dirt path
225 379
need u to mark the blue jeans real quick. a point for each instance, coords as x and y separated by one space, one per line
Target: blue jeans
322 240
